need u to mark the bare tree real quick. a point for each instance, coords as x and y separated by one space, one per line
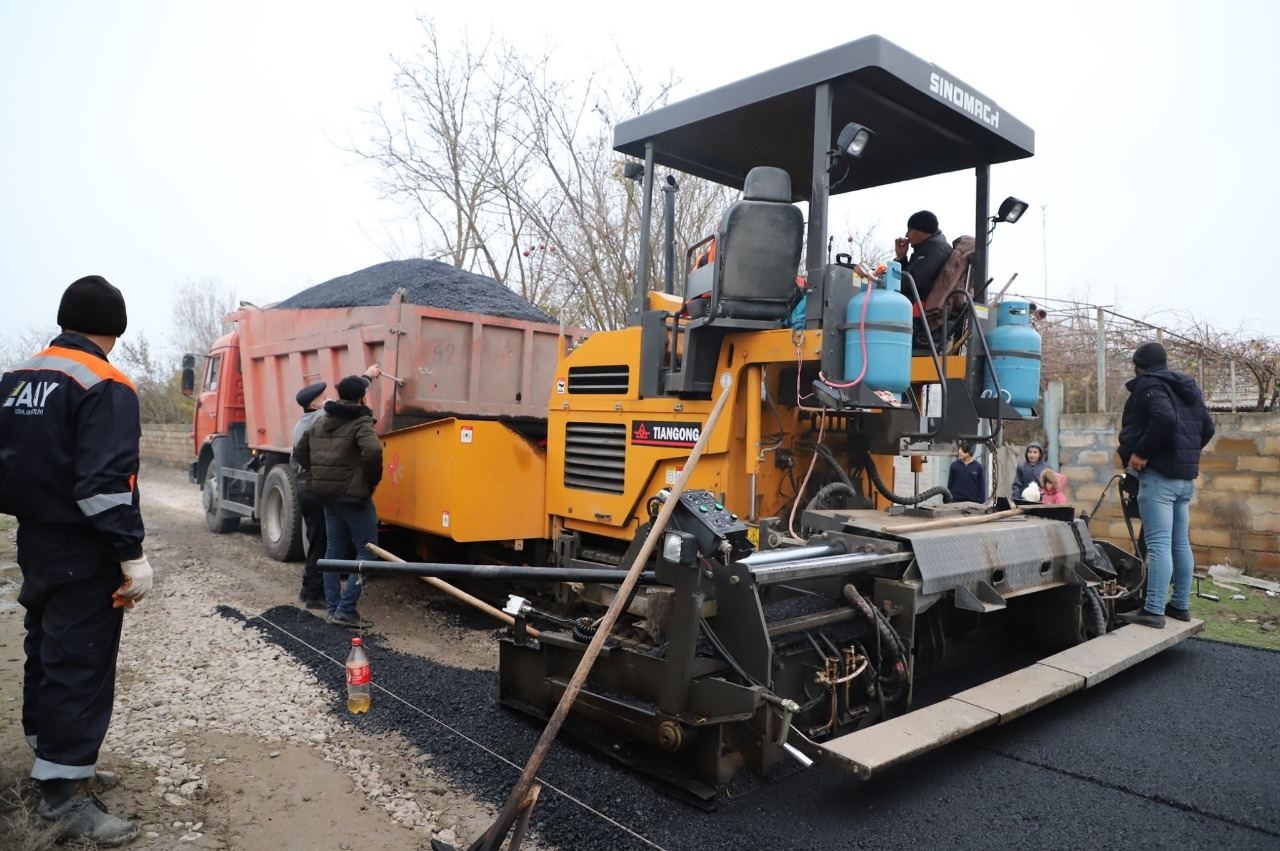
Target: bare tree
16 349
160 399
199 313
506 162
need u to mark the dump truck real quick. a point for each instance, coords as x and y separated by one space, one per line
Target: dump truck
474 379
799 607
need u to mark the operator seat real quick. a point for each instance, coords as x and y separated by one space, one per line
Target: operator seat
749 285
757 252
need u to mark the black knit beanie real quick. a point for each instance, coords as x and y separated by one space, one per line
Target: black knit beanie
352 388
93 306
1149 356
923 221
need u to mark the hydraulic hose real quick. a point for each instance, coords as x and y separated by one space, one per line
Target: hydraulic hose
870 467
1095 613
890 641
827 491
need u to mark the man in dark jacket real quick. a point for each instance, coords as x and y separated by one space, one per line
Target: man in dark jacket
967 480
344 457
929 253
69 433
1029 470
311 398
1164 427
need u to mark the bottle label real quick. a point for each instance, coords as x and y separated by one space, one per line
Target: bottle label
358 675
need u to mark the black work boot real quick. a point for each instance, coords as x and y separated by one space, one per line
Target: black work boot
1177 614
1142 616
79 814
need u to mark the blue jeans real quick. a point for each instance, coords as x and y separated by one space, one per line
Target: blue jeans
347 523
1166 526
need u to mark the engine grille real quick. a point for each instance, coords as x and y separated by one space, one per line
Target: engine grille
600 379
595 456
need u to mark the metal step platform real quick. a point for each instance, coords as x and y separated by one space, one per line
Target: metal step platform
1001 700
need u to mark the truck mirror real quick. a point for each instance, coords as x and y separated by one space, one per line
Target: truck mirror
188 378
188 361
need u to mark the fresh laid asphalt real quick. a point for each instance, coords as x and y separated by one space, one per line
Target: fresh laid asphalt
1180 751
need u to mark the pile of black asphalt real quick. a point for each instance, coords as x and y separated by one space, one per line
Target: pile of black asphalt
1179 751
428 283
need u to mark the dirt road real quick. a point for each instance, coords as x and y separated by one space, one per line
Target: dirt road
222 740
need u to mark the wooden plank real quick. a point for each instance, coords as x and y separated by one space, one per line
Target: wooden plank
1108 655
1018 693
899 739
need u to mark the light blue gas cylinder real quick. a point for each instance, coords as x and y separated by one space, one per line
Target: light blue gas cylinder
888 334
1015 356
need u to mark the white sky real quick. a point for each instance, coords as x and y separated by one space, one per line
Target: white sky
155 142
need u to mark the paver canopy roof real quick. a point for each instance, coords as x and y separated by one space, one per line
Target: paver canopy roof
926 121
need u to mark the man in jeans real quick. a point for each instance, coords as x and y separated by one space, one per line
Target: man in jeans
1164 427
344 457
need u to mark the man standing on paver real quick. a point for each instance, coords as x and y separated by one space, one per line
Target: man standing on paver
69 434
1164 427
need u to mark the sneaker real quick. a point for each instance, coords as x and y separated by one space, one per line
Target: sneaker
83 816
353 621
1142 616
1177 614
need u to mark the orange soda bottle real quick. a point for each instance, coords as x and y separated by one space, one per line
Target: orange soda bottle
358 678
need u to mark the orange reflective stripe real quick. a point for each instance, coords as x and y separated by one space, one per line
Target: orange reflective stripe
133 484
94 364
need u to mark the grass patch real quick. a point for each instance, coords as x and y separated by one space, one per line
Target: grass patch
1253 621
7 522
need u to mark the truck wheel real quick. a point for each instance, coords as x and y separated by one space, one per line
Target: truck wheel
279 516
218 519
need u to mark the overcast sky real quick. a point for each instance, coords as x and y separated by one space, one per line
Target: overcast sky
159 142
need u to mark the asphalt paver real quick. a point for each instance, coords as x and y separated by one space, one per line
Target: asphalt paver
1179 751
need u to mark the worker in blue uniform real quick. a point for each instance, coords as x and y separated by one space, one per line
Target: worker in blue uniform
69 433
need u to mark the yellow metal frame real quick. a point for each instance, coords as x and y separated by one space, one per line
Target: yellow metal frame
468 480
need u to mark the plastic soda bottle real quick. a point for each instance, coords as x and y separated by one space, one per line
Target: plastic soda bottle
358 678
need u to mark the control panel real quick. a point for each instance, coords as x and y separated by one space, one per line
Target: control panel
702 514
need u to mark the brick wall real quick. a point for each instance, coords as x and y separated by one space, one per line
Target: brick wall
167 444
1236 510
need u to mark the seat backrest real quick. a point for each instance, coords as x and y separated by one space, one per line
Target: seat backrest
758 249
956 273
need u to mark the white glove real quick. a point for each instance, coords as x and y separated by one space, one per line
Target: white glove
1031 493
137 582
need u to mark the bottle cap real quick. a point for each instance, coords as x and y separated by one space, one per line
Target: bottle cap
357 641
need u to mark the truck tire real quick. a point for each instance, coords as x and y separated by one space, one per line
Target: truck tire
279 516
219 520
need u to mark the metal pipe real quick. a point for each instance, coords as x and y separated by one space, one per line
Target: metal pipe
838 565
669 189
646 214
820 189
767 557
1102 361
479 571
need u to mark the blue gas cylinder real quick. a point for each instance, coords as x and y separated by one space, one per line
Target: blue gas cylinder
1015 356
887 329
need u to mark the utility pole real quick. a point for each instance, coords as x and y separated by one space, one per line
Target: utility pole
1044 246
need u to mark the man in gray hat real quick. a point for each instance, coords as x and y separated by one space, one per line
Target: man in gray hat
69 433
311 398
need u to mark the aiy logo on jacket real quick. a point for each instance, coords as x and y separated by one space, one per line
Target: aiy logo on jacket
28 398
